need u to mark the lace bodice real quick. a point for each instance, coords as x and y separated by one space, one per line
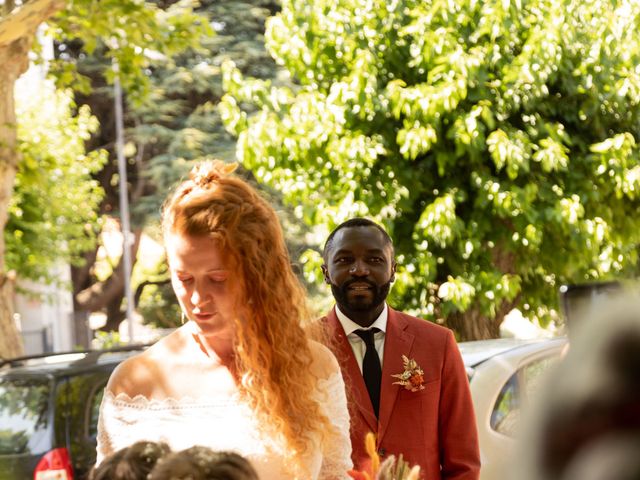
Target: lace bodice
223 424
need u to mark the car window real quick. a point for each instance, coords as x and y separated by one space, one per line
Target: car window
79 403
533 373
94 411
506 412
23 413
523 385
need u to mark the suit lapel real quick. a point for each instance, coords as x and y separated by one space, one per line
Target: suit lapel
351 372
398 342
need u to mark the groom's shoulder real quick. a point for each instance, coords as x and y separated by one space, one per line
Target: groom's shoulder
418 326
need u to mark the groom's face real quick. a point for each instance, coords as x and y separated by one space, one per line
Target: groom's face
359 267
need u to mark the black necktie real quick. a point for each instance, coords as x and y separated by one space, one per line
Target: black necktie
371 369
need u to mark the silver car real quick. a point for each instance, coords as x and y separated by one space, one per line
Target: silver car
504 376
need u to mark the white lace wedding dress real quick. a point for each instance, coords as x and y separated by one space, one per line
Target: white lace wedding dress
223 424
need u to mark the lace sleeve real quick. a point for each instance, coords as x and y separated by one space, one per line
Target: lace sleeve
105 445
336 454
122 421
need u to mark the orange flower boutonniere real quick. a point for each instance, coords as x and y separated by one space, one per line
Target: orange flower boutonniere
413 377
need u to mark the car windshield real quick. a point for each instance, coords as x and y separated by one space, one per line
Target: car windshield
23 413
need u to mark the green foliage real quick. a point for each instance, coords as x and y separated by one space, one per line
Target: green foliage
52 214
133 33
180 122
496 140
157 303
159 308
171 95
106 340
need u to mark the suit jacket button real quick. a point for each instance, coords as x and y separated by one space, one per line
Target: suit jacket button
381 452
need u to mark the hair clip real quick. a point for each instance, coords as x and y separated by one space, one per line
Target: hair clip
205 173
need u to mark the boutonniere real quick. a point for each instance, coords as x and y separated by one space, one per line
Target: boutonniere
413 376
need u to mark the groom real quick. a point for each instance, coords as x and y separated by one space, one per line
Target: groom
405 378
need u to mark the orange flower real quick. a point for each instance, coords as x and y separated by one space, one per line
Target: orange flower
413 376
358 475
370 445
391 469
416 380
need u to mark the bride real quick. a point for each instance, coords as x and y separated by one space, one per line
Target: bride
241 374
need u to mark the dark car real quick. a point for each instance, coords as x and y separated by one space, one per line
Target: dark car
49 412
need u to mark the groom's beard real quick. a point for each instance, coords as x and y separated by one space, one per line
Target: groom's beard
359 304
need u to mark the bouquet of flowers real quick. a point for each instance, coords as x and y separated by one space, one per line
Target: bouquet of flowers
391 469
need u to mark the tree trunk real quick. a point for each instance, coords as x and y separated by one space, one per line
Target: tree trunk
104 296
10 340
14 60
17 30
81 330
472 325
115 313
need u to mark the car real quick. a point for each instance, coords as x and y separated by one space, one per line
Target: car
49 408
504 376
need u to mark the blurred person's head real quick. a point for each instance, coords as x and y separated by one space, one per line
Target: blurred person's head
130 463
615 457
203 463
589 412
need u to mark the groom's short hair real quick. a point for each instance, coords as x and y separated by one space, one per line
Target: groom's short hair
351 223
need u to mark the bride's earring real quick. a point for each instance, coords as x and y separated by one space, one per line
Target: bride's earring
182 316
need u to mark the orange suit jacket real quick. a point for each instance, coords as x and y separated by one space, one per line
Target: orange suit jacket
435 427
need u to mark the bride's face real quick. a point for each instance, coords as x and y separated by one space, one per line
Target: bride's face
201 279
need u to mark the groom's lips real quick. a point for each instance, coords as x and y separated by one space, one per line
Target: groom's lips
360 288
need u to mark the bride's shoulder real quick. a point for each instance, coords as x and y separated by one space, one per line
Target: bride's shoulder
324 363
139 374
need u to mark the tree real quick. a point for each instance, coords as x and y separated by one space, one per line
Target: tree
177 124
53 211
146 35
130 32
496 140
190 89
17 29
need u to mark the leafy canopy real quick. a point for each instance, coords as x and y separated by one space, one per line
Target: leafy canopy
496 140
52 213
135 34
54 209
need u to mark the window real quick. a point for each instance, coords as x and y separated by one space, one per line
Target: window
506 413
23 413
94 411
523 385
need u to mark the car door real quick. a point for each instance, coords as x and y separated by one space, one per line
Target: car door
501 388
79 400
26 426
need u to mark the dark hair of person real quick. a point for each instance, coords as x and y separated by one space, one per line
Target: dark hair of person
203 463
130 463
351 223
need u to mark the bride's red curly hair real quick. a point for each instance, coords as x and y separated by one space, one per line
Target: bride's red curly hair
272 348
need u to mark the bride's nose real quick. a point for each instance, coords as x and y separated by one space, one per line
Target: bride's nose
200 296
